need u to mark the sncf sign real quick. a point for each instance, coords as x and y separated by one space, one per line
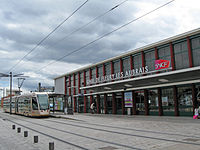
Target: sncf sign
161 64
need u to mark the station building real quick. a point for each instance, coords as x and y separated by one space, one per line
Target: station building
162 78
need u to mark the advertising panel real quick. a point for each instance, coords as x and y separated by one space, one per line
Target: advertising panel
128 99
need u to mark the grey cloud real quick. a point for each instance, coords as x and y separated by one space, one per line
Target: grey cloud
38 18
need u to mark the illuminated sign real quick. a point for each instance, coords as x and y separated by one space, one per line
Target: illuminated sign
161 64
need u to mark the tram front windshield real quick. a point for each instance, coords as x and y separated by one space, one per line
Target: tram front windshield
43 101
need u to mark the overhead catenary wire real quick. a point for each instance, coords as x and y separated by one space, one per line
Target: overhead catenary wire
82 27
41 41
101 37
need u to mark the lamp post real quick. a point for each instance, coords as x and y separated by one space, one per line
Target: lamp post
10 75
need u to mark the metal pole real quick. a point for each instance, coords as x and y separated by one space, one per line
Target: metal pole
10 93
19 86
53 104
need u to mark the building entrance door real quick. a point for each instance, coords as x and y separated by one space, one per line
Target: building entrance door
102 104
109 103
140 109
80 104
119 102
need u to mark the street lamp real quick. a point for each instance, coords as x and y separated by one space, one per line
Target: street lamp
11 76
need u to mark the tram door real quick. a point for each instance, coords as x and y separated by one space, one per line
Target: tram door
140 109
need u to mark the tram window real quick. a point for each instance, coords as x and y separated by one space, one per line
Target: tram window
34 103
43 101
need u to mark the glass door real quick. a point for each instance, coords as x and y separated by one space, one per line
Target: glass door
153 102
102 104
109 103
140 109
185 100
80 104
119 102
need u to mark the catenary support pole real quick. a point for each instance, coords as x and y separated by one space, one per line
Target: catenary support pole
10 92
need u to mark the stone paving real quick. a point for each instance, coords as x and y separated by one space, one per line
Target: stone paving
141 132
184 129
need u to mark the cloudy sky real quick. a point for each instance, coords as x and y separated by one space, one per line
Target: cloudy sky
24 23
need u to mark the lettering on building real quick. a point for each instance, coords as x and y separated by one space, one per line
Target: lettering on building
119 75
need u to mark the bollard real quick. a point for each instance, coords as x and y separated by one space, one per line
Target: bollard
13 127
25 133
18 130
35 139
51 145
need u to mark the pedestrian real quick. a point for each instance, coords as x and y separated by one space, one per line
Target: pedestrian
196 113
199 112
92 108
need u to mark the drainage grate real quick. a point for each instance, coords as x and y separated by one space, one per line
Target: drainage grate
108 148
191 140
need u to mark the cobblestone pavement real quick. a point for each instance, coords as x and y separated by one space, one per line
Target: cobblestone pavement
100 132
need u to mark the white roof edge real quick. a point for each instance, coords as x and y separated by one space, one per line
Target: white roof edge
149 46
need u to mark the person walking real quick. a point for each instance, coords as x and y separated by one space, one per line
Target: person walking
92 108
196 113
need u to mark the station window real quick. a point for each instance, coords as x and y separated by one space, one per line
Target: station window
93 73
87 76
107 69
137 61
116 65
126 64
67 85
72 85
100 71
164 53
181 55
82 81
195 44
76 83
150 59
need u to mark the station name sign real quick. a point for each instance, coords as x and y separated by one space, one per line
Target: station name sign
159 65
119 75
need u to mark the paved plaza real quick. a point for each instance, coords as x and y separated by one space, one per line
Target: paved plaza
100 132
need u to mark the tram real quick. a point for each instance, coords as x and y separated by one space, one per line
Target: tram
32 104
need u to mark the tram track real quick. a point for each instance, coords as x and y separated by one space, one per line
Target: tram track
133 135
68 132
92 138
48 135
114 127
108 131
